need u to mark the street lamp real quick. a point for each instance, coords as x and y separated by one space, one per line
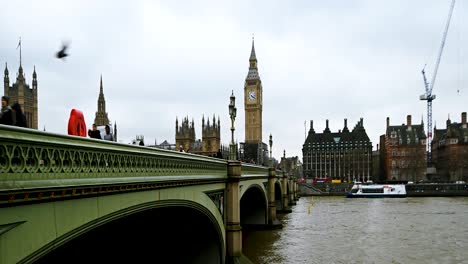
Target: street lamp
271 144
232 113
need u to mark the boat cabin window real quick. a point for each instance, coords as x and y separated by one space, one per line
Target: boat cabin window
373 190
354 190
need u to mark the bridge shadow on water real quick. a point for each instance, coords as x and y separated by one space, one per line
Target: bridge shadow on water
159 235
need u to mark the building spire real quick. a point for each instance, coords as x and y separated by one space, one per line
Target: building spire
253 70
252 53
19 45
101 118
101 91
34 80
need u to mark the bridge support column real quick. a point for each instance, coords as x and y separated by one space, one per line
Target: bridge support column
272 220
286 208
296 190
291 198
233 227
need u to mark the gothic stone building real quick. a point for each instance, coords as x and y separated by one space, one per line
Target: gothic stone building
210 143
450 151
291 165
101 119
253 149
20 92
403 152
344 155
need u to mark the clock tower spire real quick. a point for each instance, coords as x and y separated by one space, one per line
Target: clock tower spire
253 101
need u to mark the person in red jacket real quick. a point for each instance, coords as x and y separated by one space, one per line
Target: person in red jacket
76 124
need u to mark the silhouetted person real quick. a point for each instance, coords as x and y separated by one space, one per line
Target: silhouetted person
20 117
108 136
219 155
7 116
63 52
94 133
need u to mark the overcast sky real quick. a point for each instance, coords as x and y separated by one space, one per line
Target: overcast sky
317 60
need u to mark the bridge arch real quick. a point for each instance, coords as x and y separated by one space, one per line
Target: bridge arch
158 230
253 206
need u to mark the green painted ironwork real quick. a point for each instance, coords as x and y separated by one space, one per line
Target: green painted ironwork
35 159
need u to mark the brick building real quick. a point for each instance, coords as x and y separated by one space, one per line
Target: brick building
403 152
450 151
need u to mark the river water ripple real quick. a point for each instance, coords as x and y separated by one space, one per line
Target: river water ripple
343 230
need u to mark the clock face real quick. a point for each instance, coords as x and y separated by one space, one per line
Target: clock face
252 95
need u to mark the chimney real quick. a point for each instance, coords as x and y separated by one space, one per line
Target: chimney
448 121
464 125
388 122
327 124
311 124
362 122
377 146
345 122
408 122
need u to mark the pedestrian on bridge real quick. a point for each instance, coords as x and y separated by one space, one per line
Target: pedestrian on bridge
7 115
108 136
76 123
20 117
95 133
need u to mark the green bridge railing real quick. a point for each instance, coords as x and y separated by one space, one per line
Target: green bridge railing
31 159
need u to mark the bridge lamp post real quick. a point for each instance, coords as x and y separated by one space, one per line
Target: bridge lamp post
271 144
232 113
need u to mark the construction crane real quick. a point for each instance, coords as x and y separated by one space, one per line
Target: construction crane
428 96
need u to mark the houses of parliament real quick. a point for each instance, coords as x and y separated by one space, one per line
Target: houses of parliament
253 149
22 93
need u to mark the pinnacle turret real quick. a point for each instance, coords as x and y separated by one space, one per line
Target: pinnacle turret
34 81
253 70
101 118
253 57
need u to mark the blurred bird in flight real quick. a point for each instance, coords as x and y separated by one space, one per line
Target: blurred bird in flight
61 54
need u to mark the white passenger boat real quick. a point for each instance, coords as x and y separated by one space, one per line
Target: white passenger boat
377 191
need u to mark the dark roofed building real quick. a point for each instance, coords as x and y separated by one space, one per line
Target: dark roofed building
450 150
344 155
403 151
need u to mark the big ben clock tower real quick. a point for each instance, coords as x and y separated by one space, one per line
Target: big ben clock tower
253 95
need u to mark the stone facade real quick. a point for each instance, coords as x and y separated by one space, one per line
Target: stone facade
209 145
450 151
403 152
253 102
20 92
101 118
344 155
292 166
253 150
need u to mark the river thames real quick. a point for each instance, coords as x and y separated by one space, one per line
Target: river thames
343 230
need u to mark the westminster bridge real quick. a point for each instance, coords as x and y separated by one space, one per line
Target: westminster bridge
79 200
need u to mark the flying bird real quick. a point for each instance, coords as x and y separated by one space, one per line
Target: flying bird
63 52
